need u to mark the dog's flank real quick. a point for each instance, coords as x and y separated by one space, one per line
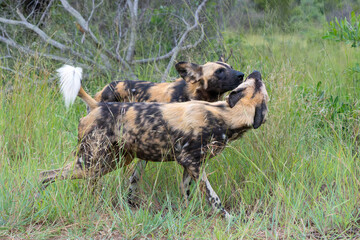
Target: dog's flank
188 133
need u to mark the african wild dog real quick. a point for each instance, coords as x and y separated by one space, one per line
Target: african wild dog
184 132
206 82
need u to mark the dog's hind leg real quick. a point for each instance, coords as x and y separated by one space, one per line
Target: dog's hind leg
70 171
134 179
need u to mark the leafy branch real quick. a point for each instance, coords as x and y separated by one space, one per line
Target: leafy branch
345 30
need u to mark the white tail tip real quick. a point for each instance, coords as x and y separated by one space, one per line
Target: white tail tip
70 82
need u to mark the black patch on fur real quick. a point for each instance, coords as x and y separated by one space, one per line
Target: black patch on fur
255 75
179 94
138 90
223 64
110 94
236 133
259 115
147 113
224 81
235 96
258 83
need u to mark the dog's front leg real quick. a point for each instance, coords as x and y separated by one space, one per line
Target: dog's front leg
185 186
212 197
134 181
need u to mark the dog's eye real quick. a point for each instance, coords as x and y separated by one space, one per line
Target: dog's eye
220 71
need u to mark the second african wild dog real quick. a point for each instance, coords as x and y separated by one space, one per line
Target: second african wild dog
206 82
114 133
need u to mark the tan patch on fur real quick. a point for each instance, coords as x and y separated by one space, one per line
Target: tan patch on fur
209 68
187 117
120 89
129 119
98 94
87 122
192 88
161 92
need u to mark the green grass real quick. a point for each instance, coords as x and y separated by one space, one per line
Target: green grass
296 177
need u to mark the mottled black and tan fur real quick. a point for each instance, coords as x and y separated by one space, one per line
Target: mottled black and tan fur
113 134
206 82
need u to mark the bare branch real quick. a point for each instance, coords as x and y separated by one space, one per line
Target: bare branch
182 39
7 69
7 56
26 50
165 75
91 14
169 54
178 47
85 28
45 12
133 7
93 9
45 37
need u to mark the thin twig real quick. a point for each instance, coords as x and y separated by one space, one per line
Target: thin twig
182 39
178 47
85 28
45 13
169 54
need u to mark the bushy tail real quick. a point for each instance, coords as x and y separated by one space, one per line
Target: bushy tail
70 86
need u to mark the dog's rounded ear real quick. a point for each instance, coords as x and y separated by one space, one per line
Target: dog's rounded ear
190 72
235 96
260 111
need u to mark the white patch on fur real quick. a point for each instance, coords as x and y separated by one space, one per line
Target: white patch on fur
70 82
213 196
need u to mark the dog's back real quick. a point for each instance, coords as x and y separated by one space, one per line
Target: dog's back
142 91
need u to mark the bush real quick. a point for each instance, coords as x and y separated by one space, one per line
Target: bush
345 30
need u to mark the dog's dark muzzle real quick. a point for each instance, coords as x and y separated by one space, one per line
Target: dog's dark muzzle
239 76
235 79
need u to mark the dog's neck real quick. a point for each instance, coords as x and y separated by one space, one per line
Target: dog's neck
195 91
237 120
